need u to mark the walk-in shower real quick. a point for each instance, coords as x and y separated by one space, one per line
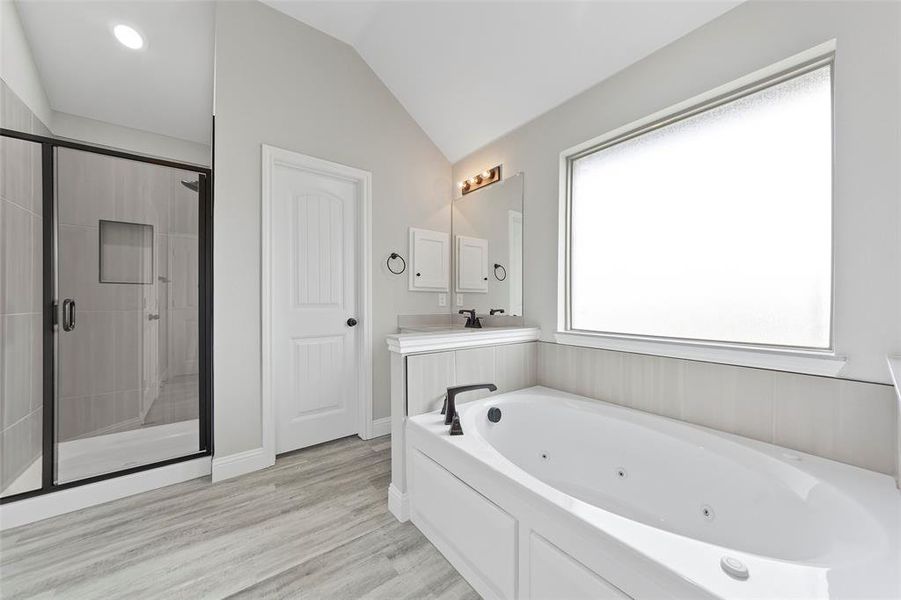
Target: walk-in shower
105 347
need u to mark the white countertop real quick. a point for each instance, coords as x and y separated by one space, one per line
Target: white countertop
428 339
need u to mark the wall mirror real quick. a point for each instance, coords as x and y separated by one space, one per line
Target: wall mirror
487 248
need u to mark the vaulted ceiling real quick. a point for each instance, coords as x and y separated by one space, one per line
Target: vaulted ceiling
469 72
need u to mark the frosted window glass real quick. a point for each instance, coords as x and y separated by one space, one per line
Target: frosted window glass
716 227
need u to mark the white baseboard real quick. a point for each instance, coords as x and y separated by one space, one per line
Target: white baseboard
226 467
398 504
381 427
36 508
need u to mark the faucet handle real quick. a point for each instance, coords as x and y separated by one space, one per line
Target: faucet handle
444 406
456 428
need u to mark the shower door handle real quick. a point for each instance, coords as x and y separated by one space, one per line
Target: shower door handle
68 314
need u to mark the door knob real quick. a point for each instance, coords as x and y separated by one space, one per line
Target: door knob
351 322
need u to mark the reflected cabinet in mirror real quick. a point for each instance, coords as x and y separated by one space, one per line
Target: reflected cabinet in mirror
487 248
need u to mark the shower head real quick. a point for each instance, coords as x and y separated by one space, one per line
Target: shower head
191 185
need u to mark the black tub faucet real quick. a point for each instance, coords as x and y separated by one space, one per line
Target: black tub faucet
450 405
472 321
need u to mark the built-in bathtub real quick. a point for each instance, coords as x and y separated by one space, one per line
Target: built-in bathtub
566 497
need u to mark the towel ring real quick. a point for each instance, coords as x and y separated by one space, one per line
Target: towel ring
501 267
395 255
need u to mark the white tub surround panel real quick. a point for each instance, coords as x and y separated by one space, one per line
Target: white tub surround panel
849 421
600 501
424 365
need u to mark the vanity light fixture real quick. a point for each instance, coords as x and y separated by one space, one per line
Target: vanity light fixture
128 36
487 177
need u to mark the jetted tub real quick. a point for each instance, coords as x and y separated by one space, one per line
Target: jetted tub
566 497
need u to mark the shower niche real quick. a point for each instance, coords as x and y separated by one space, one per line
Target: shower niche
126 252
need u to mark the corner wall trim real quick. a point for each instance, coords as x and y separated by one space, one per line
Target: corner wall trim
398 504
226 467
37 508
380 427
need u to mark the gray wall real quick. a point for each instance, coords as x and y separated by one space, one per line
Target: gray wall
283 83
752 36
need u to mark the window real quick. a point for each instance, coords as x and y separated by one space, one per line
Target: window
713 225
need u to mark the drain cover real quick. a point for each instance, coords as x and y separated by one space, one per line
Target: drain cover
734 567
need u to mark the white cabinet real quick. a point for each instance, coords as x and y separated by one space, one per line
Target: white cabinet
472 264
430 260
473 533
555 574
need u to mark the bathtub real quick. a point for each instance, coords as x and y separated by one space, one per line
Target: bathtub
566 497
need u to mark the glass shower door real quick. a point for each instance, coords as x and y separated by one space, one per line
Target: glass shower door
21 316
127 390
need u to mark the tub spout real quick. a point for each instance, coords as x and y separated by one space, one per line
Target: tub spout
450 403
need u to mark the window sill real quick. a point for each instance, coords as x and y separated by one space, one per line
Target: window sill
810 362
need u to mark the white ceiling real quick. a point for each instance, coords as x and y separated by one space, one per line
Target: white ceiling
166 87
469 72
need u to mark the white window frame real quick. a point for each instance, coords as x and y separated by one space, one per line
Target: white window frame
800 360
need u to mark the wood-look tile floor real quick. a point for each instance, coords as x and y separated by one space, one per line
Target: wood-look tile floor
316 525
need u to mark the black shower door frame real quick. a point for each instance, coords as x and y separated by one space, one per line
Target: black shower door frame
50 310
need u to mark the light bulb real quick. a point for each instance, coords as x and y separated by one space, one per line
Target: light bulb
128 37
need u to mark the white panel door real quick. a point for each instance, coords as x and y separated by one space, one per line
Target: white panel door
314 345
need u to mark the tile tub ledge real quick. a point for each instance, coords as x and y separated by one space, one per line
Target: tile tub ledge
410 343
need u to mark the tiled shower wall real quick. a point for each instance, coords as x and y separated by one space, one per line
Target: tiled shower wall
848 421
21 295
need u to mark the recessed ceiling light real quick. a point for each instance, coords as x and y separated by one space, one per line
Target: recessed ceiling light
128 37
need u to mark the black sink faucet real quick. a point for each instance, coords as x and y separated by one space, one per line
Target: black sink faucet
472 320
450 405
